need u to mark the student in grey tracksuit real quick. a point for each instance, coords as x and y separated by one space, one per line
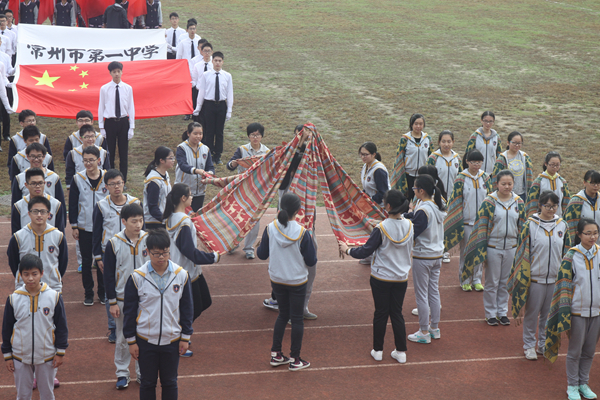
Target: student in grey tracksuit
428 219
255 132
391 243
156 187
290 250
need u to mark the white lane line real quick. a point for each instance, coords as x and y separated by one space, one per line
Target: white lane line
308 370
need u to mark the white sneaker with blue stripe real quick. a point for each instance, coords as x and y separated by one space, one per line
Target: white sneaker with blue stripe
420 337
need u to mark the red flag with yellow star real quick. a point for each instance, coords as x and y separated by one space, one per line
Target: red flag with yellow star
160 88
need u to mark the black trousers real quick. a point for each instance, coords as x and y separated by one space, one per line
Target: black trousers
291 307
194 97
87 260
5 116
116 133
201 295
212 117
153 360
197 202
388 298
410 180
171 56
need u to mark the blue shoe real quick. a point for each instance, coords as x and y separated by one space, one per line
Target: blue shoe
586 392
112 336
187 354
79 268
122 383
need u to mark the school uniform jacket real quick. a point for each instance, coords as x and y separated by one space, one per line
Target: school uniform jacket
391 243
20 163
64 15
409 157
50 247
375 181
34 329
160 318
17 144
153 18
184 243
107 223
429 244
187 160
580 207
74 162
246 151
543 182
156 189
447 168
19 216
521 167
121 258
490 148
82 200
28 13
53 187
290 250
74 140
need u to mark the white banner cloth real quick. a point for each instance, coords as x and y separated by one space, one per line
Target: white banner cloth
47 44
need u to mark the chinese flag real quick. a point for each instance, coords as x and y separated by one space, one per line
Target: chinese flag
14 6
160 88
45 10
92 8
135 9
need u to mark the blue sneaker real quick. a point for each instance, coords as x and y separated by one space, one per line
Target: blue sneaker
573 393
112 336
586 392
122 383
79 268
187 354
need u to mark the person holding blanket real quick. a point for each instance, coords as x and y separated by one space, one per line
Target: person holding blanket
445 160
413 150
290 250
494 239
518 162
487 141
575 309
540 249
471 186
391 241
584 204
549 180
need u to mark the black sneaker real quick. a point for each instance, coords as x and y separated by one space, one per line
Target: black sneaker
102 301
89 301
492 321
504 321
277 359
298 364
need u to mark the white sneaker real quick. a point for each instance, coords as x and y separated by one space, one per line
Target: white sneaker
435 333
420 337
399 356
530 354
415 311
446 258
377 355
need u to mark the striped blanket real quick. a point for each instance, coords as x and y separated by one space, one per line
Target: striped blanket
233 212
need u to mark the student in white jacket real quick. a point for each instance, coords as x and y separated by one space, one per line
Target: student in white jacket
391 243
290 250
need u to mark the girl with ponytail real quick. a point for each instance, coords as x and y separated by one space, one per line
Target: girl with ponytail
445 160
428 219
156 187
392 243
549 179
374 175
184 243
290 250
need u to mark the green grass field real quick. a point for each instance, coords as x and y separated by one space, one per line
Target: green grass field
358 69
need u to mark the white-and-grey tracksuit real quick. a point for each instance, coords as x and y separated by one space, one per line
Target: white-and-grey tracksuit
164 187
416 154
585 314
194 159
501 248
22 208
367 177
74 162
589 211
427 261
555 185
22 162
107 222
518 166
546 244
474 192
391 260
52 180
88 197
488 148
447 168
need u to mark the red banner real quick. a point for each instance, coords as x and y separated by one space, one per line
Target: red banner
93 8
160 88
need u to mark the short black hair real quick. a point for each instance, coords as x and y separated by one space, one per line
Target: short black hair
207 44
85 114
36 147
31 172
8 11
29 262
2 16
31 131
191 22
93 150
255 126
218 54
85 129
112 174
38 200
132 210
115 65
158 239
24 114
173 14
201 43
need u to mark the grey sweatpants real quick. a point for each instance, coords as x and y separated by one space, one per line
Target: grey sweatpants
497 271
582 344
44 375
251 238
537 306
122 356
478 272
426 277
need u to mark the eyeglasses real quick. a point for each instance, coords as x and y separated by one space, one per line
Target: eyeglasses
416 188
29 121
550 207
89 137
590 233
206 50
115 184
593 184
255 136
161 255
517 143
89 161
36 184
364 154
36 158
170 158
487 121
85 120
39 212
475 162
554 165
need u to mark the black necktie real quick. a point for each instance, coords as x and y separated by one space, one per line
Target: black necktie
174 44
205 67
217 94
117 103
193 52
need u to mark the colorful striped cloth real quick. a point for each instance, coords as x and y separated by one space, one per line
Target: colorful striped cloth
228 217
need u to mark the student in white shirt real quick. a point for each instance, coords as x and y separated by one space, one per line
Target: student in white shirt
172 35
215 103
116 116
187 49
7 33
203 64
